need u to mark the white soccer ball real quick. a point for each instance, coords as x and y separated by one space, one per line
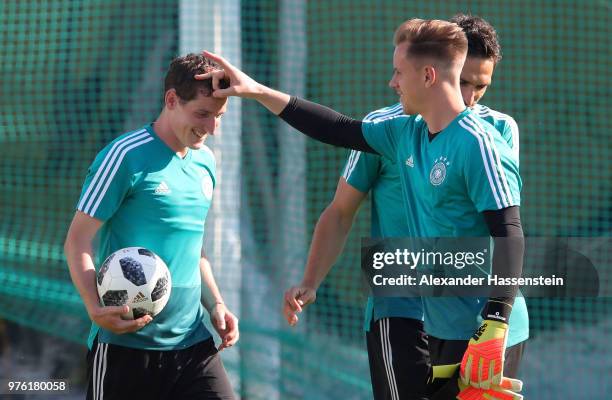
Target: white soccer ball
137 277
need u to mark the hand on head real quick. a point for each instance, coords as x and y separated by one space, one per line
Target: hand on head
240 84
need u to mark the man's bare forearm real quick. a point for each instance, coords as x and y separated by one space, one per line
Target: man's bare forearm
210 291
328 241
272 99
79 255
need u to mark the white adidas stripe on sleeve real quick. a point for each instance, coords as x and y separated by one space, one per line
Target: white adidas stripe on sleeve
485 162
97 187
497 158
384 113
492 162
350 167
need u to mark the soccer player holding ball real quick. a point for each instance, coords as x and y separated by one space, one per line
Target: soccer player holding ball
152 188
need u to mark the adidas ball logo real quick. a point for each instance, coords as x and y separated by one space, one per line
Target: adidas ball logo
139 298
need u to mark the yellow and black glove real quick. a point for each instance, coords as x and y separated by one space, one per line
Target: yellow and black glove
483 362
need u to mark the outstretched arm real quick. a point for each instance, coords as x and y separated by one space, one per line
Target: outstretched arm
328 240
317 121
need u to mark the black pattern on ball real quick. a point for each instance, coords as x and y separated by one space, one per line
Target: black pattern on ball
140 312
161 287
146 252
115 298
104 268
132 271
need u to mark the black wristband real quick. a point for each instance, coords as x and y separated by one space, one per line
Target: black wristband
497 310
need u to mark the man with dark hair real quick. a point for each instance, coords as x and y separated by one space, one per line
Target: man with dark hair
481 36
395 337
180 79
152 188
484 53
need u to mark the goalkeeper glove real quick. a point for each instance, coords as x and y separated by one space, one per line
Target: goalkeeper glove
483 362
507 390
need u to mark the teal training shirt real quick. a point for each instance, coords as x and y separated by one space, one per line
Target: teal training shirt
468 168
147 196
370 172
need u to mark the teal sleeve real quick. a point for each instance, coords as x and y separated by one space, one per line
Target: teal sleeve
506 134
511 134
107 183
361 170
383 135
491 174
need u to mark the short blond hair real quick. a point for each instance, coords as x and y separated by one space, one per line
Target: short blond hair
435 38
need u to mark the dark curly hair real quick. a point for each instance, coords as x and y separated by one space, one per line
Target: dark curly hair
180 76
482 37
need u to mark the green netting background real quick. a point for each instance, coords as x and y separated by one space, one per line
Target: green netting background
74 75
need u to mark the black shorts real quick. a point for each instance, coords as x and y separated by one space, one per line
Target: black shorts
444 352
399 359
117 372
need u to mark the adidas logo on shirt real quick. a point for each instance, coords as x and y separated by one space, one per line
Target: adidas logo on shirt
162 188
139 297
410 161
